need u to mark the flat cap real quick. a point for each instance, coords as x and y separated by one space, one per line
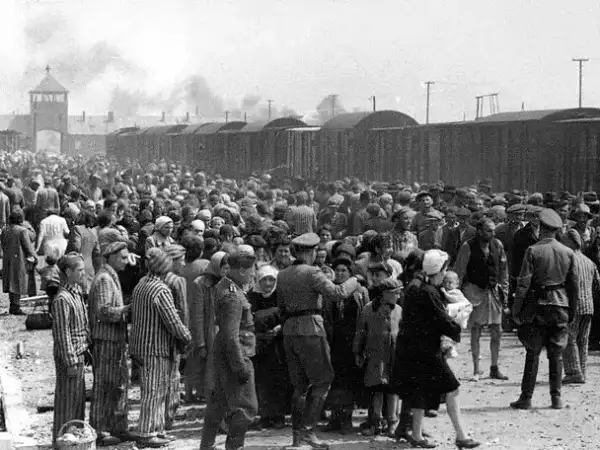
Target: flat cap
380 267
391 286
550 219
463 212
112 248
516 208
434 214
307 240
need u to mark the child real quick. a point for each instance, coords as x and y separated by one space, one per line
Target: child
50 278
459 309
374 347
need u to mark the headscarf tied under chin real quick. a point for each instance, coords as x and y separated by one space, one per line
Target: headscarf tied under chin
162 221
265 271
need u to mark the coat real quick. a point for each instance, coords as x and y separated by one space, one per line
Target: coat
421 374
84 240
376 340
16 247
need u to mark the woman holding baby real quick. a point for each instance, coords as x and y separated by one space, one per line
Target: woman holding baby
421 374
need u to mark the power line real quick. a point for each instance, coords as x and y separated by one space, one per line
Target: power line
580 61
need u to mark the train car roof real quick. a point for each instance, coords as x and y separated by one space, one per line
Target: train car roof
282 122
307 129
163 129
217 127
191 129
119 131
552 115
369 120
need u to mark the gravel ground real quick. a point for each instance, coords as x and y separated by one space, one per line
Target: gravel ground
486 414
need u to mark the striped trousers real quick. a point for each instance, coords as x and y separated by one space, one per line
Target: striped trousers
69 395
155 380
576 352
172 402
109 408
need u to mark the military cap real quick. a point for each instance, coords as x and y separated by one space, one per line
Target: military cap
550 219
242 257
518 208
306 240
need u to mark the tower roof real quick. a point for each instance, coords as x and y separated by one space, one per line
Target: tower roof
49 84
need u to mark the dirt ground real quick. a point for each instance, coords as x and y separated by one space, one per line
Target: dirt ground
486 414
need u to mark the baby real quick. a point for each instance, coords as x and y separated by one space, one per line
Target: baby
458 308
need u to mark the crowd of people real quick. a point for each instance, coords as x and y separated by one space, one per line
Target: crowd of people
270 298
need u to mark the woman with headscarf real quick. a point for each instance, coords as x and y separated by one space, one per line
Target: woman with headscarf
421 374
271 373
341 319
204 319
161 238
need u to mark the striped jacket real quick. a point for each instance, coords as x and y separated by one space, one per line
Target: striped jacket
70 328
179 290
106 306
587 274
156 326
303 220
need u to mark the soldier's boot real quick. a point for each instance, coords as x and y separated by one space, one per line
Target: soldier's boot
297 412
312 412
555 370
346 425
530 372
238 425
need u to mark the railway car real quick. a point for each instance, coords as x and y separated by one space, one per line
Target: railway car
302 151
155 142
343 143
206 144
255 148
112 142
184 139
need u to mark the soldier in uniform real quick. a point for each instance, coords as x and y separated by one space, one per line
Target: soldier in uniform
233 394
302 288
545 301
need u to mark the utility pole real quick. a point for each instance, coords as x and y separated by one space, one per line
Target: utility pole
269 102
428 83
580 61
374 103
333 98
245 120
226 116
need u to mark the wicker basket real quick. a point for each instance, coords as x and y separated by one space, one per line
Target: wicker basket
89 445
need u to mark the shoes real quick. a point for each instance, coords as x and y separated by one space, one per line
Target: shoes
309 437
17 312
391 428
423 443
154 442
431 413
573 379
521 403
167 437
495 374
106 440
127 436
467 443
557 403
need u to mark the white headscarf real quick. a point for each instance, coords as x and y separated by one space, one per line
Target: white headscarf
263 272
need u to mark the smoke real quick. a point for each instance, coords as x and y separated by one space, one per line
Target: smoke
249 102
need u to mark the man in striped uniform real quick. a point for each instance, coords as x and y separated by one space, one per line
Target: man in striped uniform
576 352
303 218
156 333
233 394
71 334
108 324
177 285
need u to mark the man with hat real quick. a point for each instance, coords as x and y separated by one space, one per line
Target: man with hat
108 325
301 289
545 304
589 236
332 216
525 237
420 221
233 394
464 229
432 236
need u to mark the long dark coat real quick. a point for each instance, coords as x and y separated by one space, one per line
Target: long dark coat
421 375
16 247
84 240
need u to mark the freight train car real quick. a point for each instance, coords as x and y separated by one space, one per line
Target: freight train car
112 142
205 144
343 143
255 147
184 140
302 150
156 144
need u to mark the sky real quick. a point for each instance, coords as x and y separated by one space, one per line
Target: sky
297 52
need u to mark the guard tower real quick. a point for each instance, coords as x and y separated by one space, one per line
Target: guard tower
49 109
